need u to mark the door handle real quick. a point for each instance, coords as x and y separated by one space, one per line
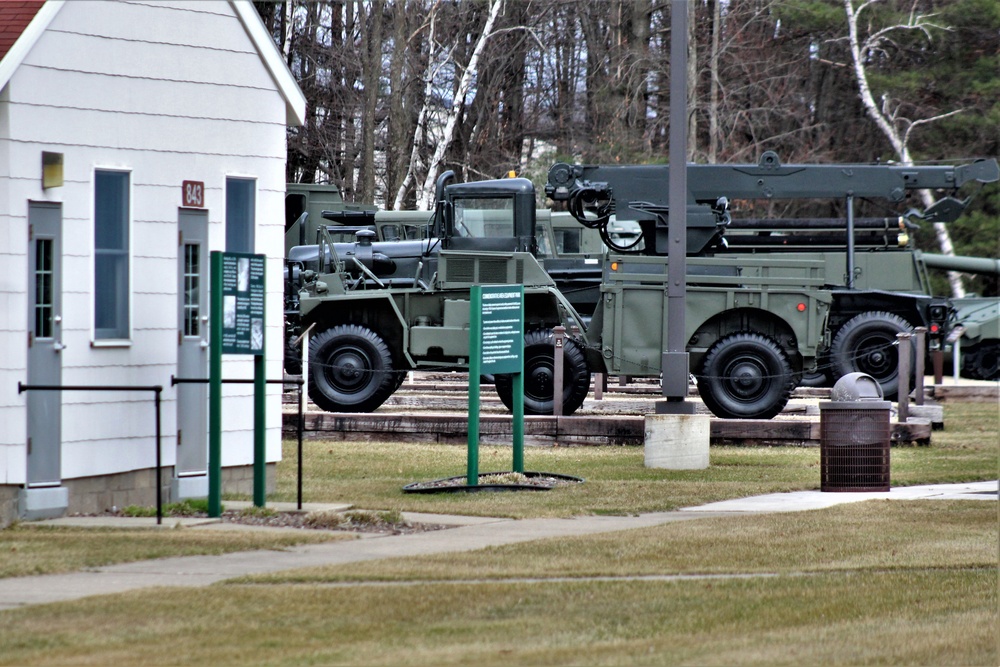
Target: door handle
204 344
58 346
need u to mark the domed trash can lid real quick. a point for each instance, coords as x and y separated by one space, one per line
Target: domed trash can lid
856 387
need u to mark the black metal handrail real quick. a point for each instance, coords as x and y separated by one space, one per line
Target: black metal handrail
156 389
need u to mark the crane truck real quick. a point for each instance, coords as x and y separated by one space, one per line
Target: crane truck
867 310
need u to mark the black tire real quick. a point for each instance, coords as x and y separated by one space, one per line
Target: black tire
350 369
982 361
293 362
745 376
818 377
867 344
539 367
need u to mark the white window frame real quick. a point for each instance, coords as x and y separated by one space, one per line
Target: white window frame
98 340
253 221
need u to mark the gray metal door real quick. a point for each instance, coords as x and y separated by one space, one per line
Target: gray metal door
44 343
192 336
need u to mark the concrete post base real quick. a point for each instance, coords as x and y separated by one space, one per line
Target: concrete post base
677 442
48 502
188 487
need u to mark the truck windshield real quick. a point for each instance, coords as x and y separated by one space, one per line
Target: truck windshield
491 217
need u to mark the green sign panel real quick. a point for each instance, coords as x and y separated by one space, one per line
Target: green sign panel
242 303
503 328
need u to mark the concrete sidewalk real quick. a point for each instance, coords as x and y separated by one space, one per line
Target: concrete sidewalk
470 533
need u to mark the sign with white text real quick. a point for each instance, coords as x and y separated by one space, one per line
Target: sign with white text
242 303
503 328
193 194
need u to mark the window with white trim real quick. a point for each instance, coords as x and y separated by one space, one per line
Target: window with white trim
111 254
241 211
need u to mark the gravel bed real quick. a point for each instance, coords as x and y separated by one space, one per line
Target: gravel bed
355 521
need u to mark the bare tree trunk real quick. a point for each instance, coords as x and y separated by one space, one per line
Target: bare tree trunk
713 86
692 83
287 30
371 67
398 133
879 115
458 104
420 132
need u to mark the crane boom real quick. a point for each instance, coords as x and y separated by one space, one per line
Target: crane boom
639 192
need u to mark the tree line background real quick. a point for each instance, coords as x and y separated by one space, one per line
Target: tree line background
400 90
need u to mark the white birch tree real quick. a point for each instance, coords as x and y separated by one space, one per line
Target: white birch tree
420 132
886 114
457 105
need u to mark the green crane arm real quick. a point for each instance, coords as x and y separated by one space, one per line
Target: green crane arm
594 192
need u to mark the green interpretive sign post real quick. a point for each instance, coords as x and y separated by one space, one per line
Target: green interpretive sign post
496 345
242 303
237 312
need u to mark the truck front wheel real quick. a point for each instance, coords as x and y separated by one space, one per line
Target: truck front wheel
745 376
539 376
350 369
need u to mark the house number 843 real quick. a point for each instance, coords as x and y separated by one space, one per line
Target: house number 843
194 193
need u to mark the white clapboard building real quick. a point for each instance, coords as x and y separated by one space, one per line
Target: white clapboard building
135 138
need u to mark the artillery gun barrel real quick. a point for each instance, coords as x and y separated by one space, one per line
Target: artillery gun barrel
979 265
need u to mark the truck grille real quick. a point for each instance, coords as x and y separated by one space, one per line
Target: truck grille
493 271
461 271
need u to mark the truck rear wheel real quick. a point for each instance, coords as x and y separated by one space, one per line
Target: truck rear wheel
982 361
350 369
745 376
867 344
539 375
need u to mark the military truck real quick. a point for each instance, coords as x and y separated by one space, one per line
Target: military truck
380 309
865 311
569 253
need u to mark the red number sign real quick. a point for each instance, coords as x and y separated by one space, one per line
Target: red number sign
193 193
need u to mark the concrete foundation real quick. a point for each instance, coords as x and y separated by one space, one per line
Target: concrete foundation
8 505
677 442
95 495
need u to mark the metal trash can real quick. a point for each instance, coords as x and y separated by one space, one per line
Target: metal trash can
855 436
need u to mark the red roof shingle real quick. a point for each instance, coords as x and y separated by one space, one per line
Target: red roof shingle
15 15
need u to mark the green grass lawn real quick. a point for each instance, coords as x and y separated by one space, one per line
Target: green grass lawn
29 550
371 474
874 583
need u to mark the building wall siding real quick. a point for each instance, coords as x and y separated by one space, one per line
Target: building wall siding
169 91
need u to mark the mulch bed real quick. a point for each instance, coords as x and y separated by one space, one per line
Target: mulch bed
496 481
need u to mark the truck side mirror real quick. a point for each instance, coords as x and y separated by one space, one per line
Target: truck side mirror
444 220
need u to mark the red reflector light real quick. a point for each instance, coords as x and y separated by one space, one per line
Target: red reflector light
935 328
801 307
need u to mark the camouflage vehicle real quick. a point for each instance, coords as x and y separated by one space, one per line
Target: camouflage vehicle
978 316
